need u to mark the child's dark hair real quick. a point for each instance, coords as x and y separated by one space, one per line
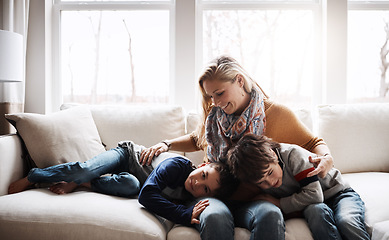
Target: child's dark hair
228 182
250 157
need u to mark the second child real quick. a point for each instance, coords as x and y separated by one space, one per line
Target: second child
331 207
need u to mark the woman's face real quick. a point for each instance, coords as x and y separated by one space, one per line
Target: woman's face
229 96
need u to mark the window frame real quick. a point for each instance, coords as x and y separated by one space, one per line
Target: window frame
330 80
59 6
315 6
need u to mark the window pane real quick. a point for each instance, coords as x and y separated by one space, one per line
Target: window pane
370 1
114 1
368 35
275 47
115 56
265 1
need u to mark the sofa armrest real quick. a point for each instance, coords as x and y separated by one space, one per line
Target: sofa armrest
11 161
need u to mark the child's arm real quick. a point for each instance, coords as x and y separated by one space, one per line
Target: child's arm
167 174
307 190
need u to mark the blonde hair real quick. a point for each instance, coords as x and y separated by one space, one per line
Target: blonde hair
223 69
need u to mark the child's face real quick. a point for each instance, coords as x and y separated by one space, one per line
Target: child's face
203 181
272 177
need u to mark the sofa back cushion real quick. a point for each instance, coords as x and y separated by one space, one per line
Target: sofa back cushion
357 135
58 137
144 125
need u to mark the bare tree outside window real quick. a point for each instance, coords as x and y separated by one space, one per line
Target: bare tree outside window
384 85
275 46
99 52
368 59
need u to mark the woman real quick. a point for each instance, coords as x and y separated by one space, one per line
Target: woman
233 105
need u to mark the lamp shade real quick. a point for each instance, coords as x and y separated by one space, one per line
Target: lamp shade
11 57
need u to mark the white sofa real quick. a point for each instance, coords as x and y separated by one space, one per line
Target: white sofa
358 136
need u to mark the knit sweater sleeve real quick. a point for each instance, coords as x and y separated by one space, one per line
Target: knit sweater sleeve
282 125
309 188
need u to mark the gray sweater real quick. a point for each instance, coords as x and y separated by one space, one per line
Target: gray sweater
297 190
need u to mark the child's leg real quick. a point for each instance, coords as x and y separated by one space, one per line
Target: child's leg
106 162
122 185
19 185
321 222
349 212
263 219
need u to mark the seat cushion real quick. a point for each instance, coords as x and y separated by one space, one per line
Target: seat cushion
41 214
296 229
381 231
371 187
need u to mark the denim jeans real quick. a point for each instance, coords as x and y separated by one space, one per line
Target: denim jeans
115 161
216 221
340 217
263 219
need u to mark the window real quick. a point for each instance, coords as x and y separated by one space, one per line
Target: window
114 54
302 52
274 43
368 59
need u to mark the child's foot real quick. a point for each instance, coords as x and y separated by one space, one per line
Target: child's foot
19 185
63 187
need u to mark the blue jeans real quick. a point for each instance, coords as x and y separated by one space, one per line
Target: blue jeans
115 161
216 221
340 217
263 219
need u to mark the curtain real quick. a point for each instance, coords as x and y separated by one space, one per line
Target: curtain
14 18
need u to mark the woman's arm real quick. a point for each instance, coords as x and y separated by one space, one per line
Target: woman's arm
282 125
182 144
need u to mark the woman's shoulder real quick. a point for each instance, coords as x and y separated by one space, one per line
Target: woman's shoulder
275 107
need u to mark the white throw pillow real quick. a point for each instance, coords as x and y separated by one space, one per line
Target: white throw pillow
66 136
357 135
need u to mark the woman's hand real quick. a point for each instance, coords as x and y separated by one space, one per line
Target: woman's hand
148 154
197 210
323 165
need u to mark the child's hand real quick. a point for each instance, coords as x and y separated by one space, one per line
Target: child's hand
197 210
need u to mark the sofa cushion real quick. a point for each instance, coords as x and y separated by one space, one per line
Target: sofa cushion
295 229
11 161
192 121
145 125
78 215
59 137
381 231
371 187
357 134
